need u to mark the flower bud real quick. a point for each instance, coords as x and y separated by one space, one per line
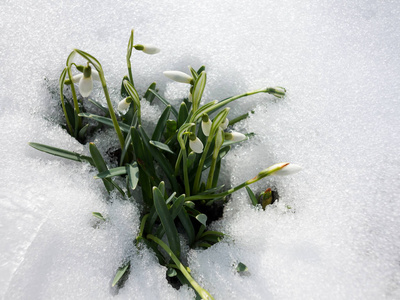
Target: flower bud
277 91
224 124
148 49
124 104
234 136
206 125
195 144
179 76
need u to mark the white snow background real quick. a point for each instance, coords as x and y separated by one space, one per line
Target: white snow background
339 61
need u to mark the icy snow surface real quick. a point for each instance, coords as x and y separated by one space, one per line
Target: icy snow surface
339 61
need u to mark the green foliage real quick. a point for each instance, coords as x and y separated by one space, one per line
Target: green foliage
181 205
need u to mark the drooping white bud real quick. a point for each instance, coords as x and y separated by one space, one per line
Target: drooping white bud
277 91
178 76
288 169
234 136
195 144
206 125
224 124
123 104
148 49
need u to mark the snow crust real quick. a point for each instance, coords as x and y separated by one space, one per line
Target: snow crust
339 62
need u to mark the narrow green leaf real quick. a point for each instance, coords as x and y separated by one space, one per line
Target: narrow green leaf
161 187
149 96
187 225
121 271
216 173
100 106
124 93
106 121
183 114
161 146
83 130
62 153
198 88
61 86
191 159
100 165
98 215
201 69
112 172
170 198
177 206
166 221
252 196
174 112
133 175
158 131
194 73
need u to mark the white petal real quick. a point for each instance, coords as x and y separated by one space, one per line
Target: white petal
225 124
123 105
150 49
95 75
76 78
196 145
206 127
178 76
85 86
235 136
288 169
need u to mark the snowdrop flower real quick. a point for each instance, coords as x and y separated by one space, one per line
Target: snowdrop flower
179 76
277 91
282 169
124 104
86 80
195 144
224 124
234 136
148 49
206 125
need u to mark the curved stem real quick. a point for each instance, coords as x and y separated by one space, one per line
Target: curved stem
202 292
78 120
197 178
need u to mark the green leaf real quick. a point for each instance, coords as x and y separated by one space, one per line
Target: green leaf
158 131
83 130
198 88
161 146
121 271
174 112
187 225
166 221
177 206
98 215
201 69
112 172
106 121
161 187
191 159
252 196
98 105
241 267
149 96
216 173
183 114
62 153
202 218
194 73
133 175
61 86
100 165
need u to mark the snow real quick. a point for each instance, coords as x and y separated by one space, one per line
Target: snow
339 62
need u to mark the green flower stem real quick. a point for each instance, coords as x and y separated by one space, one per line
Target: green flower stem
212 169
78 120
261 175
62 78
197 178
202 292
185 172
111 109
226 101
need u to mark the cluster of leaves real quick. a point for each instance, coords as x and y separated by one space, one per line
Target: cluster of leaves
178 178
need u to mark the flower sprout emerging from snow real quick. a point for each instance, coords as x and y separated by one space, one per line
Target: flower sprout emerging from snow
234 136
124 103
195 144
179 76
206 125
148 49
277 91
86 80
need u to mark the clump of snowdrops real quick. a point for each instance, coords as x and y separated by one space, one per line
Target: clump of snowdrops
176 168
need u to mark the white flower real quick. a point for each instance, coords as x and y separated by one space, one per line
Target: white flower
282 169
148 49
178 76
206 125
234 136
124 104
86 80
224 124
195 144
277 91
